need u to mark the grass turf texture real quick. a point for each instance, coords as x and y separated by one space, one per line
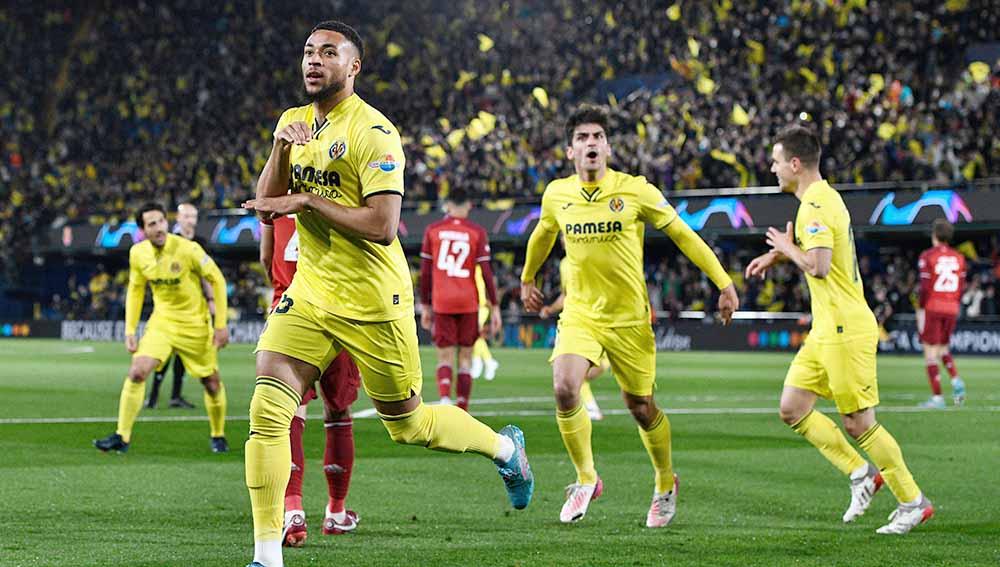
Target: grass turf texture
751 493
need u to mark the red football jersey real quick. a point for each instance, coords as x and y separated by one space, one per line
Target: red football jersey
452 248
286 255
942 277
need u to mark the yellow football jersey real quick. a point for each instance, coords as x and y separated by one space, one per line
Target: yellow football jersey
838 301
603 225
174 272
354 154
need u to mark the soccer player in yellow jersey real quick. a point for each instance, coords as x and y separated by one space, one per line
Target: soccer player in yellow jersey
343 162
837 360
602 214
180 323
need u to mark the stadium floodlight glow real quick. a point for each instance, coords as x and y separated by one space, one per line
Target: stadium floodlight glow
887 213
109 237
732 207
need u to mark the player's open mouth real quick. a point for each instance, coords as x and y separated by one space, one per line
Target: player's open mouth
313 76
592 154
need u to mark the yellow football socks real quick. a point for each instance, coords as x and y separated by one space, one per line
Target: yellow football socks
657 442
269 454
885 453
215 407
129 405
481 350
824 434
575 428
442 428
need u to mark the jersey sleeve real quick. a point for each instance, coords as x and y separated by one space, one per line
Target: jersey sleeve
284 120
427 248
135 294
380 160
817 229
547 215
925 279
653 207
204 266
482 252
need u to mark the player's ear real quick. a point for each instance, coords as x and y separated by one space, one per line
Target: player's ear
569 151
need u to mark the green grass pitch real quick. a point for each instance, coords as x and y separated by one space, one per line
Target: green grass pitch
751 493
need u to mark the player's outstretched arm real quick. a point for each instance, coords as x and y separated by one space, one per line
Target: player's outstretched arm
211 273
267 248
692 246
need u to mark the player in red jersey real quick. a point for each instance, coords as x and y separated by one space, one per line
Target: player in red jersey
279 253
942 277
452 248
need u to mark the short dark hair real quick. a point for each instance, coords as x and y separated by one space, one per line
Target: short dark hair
943 230
798 141
147 208
347 31
586 114
458 196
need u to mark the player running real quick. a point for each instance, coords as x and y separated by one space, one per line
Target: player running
942 277
180 323
602 214
343 161
837 361
452 250
338 387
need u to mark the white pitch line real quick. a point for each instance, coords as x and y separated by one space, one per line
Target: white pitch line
369 413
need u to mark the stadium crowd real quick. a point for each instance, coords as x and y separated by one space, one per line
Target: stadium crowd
176 101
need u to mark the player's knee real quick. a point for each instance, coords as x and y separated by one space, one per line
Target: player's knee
409 430
854 427
212 384
137 375
789 413
642 410
267 418
567 393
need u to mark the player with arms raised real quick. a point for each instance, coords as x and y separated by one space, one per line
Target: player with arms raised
338 387
343 162
453 247
602 214
180 323
942 277
837 361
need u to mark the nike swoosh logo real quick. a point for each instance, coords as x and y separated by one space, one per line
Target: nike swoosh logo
381 128
567 205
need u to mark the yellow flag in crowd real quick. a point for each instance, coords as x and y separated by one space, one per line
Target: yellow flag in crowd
693 46
485 43
541 96
609 20
980 71
393 50
968 249
808 74
455 138
756 52
740 116
463 78
878 83
886 130
674 12
705 85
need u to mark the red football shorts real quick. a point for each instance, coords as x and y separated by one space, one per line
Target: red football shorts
339 383
451 329
938 328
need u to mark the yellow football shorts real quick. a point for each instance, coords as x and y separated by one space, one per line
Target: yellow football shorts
386 352
193 344
843 372
630 350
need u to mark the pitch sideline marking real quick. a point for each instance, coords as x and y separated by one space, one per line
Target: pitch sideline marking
369 413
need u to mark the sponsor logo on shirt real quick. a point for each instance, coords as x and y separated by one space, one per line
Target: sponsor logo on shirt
386 164
616 205
815 227
338 148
